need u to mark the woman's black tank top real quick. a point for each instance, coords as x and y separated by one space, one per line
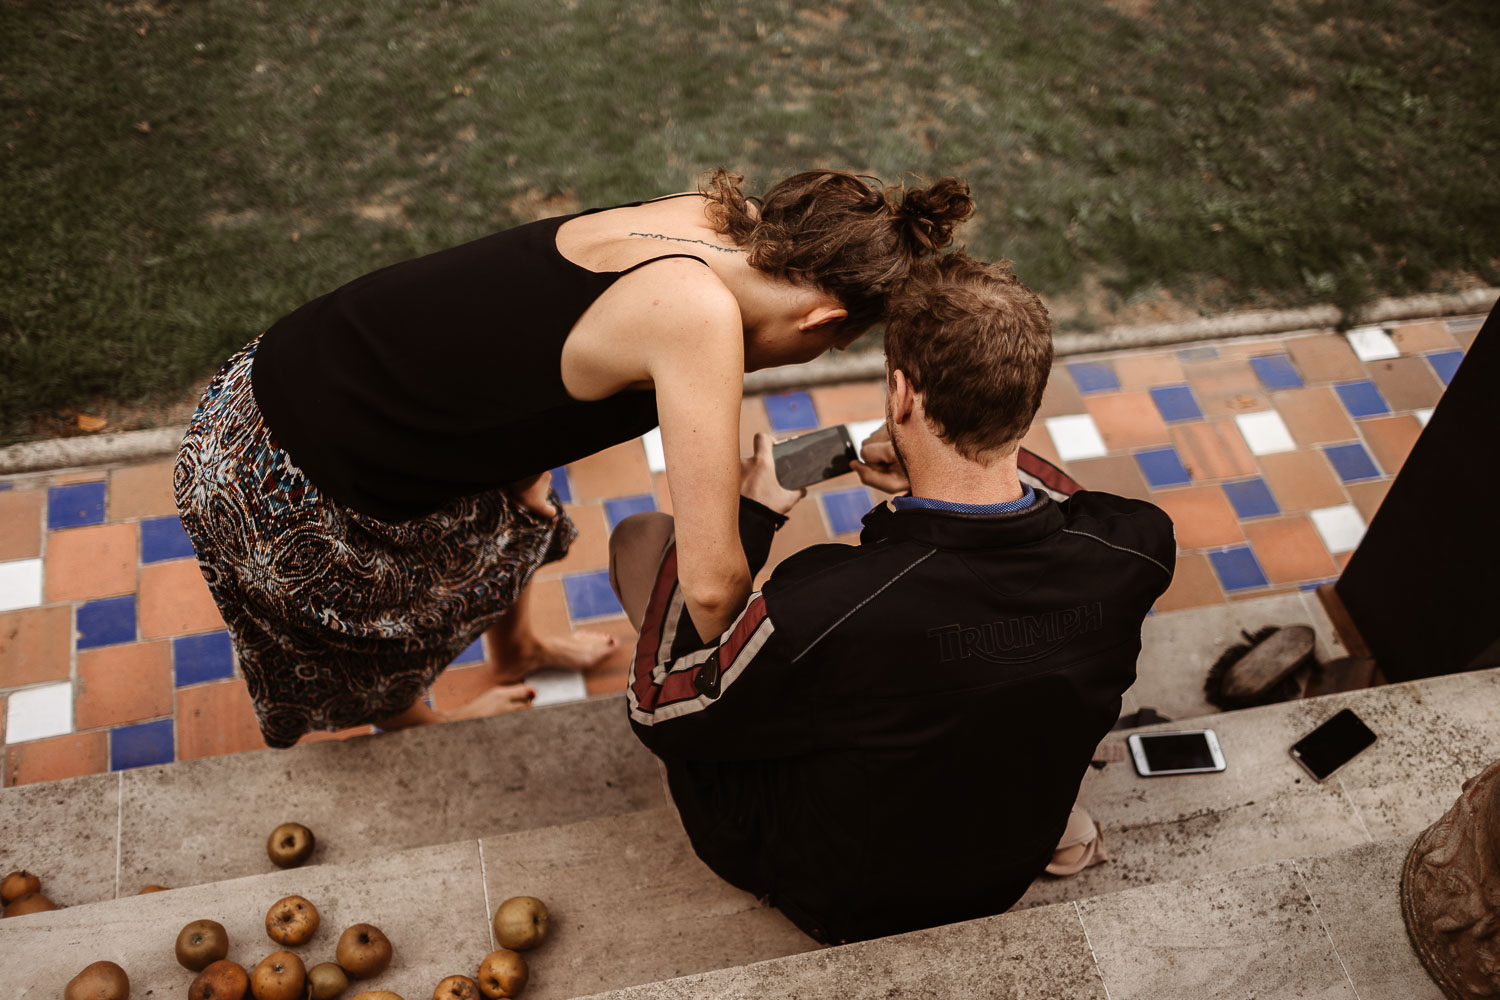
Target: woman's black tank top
440 377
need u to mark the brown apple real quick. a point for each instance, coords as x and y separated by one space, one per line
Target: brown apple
326 981
521 923
201 943
18 884
279 976
363 951
292 921
100 981
32 902
221 980
456 988
153 888
290 844
503 973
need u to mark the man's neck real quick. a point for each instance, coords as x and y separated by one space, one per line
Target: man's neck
946 475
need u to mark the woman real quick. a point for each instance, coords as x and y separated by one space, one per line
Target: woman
365 484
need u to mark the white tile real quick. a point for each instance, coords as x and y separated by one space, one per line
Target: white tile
656 459
1075 436
20 584
555 686
39 712
1372 343
1423 415
1265 432
861 429
1341 527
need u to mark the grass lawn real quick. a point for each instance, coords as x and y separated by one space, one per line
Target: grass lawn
177 175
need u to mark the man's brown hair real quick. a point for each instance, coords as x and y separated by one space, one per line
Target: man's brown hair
834 230
977 345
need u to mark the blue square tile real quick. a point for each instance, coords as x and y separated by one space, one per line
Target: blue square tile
562 484
620 508
1252 498
141 745
1352 462
1276 371
590 595
791 411
473 653
163 538
198 658
1237 569
74 506
846 509
1094 376
1207 353
1176 403
1362 399
106 622
1162 467
1445 363
6 486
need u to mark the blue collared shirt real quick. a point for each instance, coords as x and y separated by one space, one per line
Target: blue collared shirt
1026 499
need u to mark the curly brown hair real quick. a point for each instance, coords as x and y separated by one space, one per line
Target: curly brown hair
977 345
832 229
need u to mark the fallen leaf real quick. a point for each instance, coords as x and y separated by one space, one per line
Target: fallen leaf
89 422
143 127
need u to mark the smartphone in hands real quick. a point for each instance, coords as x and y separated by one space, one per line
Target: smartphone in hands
814 457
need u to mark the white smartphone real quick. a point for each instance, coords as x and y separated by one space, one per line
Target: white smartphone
1189 751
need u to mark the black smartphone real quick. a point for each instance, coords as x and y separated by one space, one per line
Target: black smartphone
1333 744
812 458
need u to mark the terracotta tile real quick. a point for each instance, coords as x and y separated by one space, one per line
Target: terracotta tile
141 491
614 472
174 600
1061 398
1391 439
1226 387
1314 415
126 683
1418 338
1466 337
1368 496
1127 420
97 561
1212 449
1289 549
1249 347
1202 515
591 548
1342 558
70 756
804 527
21 524
35 645
548 608
1193 585
1406 383
1141 370
78 476
607 682
1301 480
1037 441
1325 358
1117 474
216 718
753 420
839 404
457 686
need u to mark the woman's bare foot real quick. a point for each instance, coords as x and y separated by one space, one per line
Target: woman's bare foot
495 701
511 660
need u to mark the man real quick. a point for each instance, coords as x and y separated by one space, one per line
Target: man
892 734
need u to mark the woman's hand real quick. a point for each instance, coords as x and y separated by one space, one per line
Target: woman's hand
531 493
758 478
879 467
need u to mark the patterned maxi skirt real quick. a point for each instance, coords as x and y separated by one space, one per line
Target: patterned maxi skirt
339 619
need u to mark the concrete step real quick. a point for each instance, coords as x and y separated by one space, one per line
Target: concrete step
1325 926
630 904
1432 735
199 821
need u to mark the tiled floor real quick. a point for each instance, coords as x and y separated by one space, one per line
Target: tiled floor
1271 455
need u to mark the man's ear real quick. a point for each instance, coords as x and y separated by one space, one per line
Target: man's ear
903 396
821 316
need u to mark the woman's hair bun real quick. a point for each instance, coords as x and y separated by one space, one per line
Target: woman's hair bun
932 213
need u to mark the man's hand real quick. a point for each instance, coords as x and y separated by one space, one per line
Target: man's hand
758 479
879 467
531 493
